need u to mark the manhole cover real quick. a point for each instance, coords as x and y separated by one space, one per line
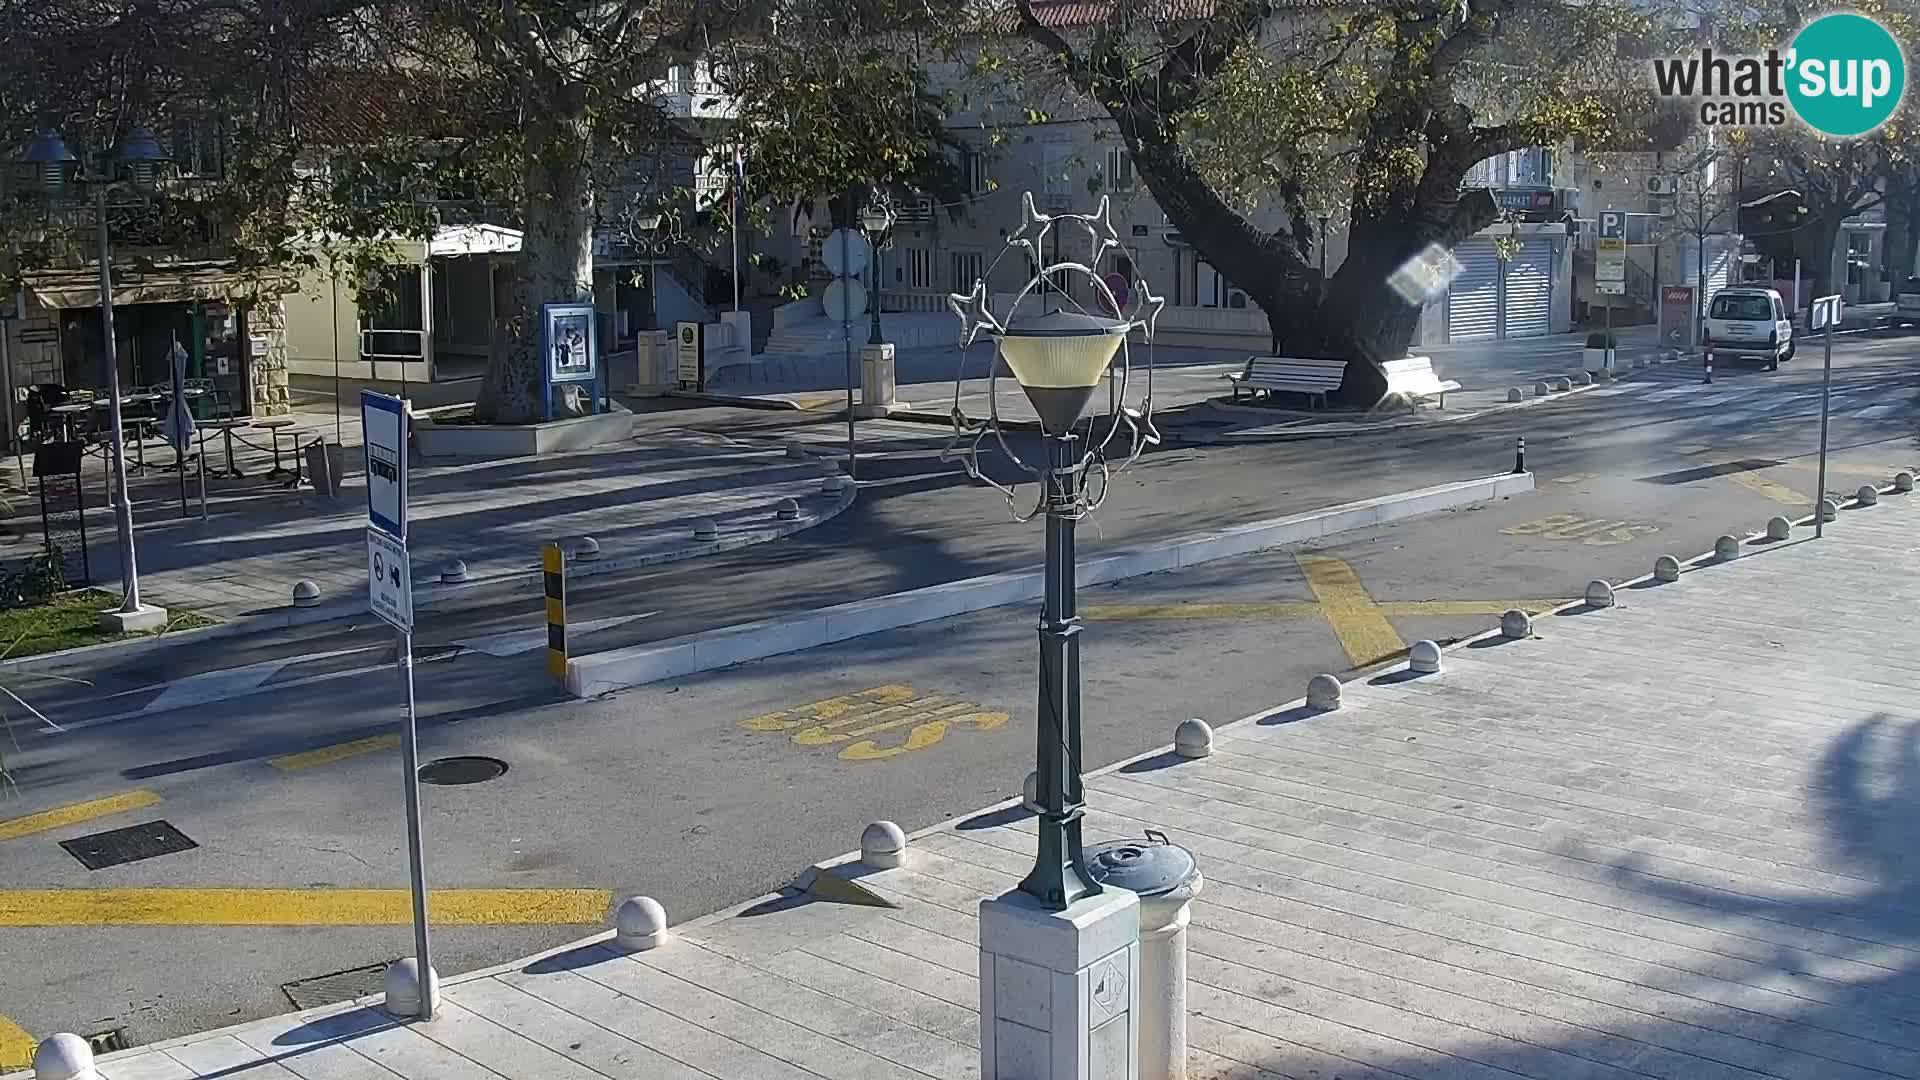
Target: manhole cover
97 851
349 985
461 770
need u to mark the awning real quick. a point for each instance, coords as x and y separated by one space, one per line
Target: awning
173 284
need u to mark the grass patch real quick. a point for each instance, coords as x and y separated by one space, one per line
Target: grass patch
71 620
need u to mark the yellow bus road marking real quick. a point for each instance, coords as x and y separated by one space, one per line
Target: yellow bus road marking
82 811
16 1046
1574 478
1595 532
298 907
327 755
1356 620
849 720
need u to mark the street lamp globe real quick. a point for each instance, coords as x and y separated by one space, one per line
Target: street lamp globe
140 147
647 222
49 154
874 219
1058 359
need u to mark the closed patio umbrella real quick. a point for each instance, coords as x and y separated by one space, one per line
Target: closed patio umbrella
178 427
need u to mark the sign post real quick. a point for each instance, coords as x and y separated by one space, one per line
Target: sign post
383 422
1610 262
689 356
1824 316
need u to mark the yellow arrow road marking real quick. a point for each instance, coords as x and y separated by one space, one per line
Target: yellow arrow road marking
298 907
16 1046
77 812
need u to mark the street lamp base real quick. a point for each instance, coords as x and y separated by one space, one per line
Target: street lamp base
1059 990
142 620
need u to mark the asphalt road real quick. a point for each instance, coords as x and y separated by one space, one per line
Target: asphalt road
717 787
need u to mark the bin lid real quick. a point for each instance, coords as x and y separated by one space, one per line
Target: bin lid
1150 867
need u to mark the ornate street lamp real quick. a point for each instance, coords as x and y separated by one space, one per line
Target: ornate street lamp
652 232
1059 358
141 154
876 220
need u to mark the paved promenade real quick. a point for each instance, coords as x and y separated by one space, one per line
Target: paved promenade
1673 839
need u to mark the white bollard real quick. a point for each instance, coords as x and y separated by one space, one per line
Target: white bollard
883 845
403 987
786 510
306 594
1563 384
1868 495
1193 739
796 450
1727 547
1903 481
65 1056
1584 378
1829 510
454 571
1424 658
834 485
1779 527
705 529
1516 624
1599 594
639 924
1666 568
1323 692
1542 389
583 549
1030 793
1514 393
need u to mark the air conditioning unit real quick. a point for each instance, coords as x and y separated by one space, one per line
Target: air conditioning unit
1663 185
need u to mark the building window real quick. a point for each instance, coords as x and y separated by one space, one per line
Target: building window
919 267
1056 180
966 270
1119 170
975 164
196 145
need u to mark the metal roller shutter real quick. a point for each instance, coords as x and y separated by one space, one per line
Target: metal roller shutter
1528 304
1473 301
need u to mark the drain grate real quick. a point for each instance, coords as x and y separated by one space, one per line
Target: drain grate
448 771
348 985
116 847
111 1041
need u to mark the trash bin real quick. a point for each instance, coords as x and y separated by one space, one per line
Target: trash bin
1166 878
325 463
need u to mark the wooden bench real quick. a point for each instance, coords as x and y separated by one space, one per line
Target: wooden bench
1314 378
1415 380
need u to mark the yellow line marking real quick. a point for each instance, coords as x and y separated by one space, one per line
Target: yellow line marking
1280 609
1778 492
1885 474
298 907
811 403
1356 620
327 755
77 812
16 1046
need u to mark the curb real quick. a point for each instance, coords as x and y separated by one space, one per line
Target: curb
744 401
429 593
619 669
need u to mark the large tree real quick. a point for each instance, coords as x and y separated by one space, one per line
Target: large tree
1384 107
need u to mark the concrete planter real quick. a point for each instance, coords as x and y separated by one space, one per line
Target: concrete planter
521 440
1596 360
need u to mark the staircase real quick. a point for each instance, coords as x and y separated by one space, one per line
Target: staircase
821 336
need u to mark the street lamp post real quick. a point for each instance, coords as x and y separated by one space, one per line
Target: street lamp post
141 152
876 220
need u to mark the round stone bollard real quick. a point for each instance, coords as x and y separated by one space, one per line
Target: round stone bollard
796 450
65 1056
883 845
1584 378
1903 481
306 594
1599 594
786 510
1727 547
1542 389
1193 739
1514 393
1424 658
454 571
403 987
1516 624
833 485
1323 692
1030 792
1829 510
705 529
639 924
1666 568
582 549
1868 495
1166 878
1563 384
1779 527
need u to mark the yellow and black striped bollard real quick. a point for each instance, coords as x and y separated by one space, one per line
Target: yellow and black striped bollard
554 562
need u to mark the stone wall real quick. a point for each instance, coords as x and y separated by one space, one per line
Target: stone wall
267 368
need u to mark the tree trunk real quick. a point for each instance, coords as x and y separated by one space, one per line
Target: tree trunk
555 264
1820 238
1903 228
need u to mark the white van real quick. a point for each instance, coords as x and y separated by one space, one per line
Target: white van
1749 324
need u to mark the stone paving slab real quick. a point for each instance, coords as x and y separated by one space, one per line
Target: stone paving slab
1669 839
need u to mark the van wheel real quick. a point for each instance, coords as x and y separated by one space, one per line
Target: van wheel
1791 346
